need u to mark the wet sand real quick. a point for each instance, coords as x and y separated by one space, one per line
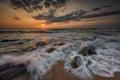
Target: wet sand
58 73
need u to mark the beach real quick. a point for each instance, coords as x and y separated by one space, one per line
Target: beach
60 54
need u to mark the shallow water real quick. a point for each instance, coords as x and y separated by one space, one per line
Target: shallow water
32 49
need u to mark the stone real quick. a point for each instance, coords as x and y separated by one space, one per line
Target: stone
50 49
9 40
9 71
59 44
75 63
42 43
87 51
28 49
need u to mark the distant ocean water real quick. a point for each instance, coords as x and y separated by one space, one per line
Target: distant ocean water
43 48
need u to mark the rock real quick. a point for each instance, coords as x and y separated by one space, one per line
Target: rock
50 49
9 40
59 44
30 48
12 52
75 63
118 48
87 50
20 43
89 62
42 43
25 76
9 71
6 66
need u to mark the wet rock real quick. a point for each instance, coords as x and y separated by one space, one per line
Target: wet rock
76 62
30 48
25 76
9 40
12 52
118 48
59 44
88 38
9 71
89 62
112 40
42 43
50 49
87 51
20 43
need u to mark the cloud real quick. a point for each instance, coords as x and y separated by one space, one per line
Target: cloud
54 5
16 18
106 6
96 9
101 14
74 16
31 5
101 8
89 20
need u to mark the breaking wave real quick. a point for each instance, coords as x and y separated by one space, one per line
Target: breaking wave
104 62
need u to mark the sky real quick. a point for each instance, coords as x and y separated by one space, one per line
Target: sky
59 13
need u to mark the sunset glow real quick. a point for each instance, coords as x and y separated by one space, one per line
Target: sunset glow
81 14
43 26
59 39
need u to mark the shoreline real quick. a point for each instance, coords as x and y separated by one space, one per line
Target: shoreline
58 73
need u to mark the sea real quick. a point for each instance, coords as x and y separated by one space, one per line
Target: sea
40 49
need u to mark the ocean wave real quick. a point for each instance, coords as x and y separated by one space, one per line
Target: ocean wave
85 55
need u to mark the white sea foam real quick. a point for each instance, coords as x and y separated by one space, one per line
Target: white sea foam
37 64
105 63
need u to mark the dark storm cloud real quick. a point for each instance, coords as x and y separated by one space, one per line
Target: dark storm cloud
74 16
96 9
30 5
106 6
102 14
101 8
53 5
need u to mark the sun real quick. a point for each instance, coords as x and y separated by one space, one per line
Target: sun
43 26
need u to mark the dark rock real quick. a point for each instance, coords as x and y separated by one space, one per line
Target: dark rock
25 76
30 48
42 43
112 40
89 62
9 40
118 48
6 66
13 52
87 50
50 49
20 43
75 63
9 71
59 44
